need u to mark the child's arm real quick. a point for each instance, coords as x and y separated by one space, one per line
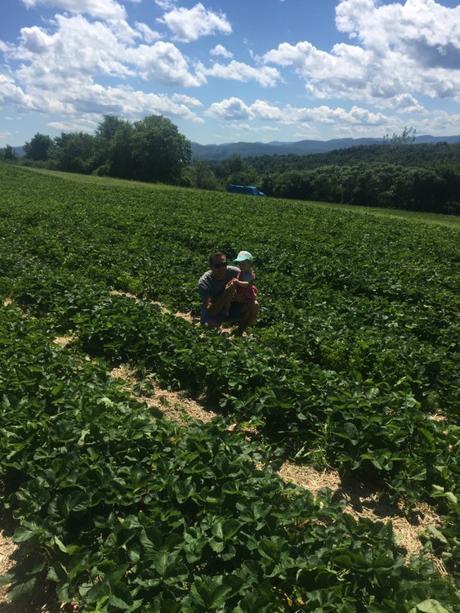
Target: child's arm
246 283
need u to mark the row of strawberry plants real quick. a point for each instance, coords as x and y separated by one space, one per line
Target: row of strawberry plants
121 510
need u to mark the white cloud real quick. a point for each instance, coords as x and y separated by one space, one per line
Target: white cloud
235 109
58 72
438 122
166 5
104 9
401 49
187 100
265 110
163 61
411 26
404 103
229 109
12 94
148 34
222 51
356 121
238 71
80 48
188 25
77 125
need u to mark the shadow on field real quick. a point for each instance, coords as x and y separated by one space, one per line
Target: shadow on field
15 561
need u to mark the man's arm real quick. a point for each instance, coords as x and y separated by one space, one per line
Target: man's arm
215 307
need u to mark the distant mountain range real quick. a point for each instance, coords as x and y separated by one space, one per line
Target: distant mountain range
302 147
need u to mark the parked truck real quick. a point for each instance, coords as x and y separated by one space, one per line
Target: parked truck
251 190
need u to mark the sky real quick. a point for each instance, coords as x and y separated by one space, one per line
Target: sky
231 70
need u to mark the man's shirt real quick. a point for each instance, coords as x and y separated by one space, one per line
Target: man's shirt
210 287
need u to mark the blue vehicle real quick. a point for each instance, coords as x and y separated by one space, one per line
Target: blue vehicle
251 190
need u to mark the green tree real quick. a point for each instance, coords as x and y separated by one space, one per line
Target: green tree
107 128
8 153
159 150
74 152
39 147
103 144
201 175
120 160
407 137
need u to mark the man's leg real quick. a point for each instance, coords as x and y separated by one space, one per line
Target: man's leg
249 312
209 322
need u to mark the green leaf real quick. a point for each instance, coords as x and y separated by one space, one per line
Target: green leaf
211 592
429 606
450 496
118 602
21 589
437 534
21 535
6 579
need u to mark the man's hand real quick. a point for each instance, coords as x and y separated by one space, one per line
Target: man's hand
230 288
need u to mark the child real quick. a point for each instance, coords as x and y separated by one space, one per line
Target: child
246 291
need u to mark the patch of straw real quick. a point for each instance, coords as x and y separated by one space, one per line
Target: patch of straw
7 548
164 309
62 341
309 478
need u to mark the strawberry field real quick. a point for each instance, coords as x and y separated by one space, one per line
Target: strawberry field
353 365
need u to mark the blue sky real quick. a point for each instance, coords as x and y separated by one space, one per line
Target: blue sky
227 70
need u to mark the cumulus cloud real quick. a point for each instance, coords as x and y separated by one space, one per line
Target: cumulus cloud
58 71
404 103
147 33
222 51
104 9
229 109
79 48
438 122
164 62
187 100
166 5
235 109
401 49
238 71
12 94
188 25
76 125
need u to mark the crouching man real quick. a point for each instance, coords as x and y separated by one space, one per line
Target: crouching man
217 290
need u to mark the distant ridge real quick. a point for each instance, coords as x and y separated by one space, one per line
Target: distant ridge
302 147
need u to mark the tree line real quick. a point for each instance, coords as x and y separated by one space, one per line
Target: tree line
413 177
148 150
396 174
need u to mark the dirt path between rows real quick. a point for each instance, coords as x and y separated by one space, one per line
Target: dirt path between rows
164 309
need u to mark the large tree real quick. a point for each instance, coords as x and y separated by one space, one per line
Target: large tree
39 147
159 150
74 152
